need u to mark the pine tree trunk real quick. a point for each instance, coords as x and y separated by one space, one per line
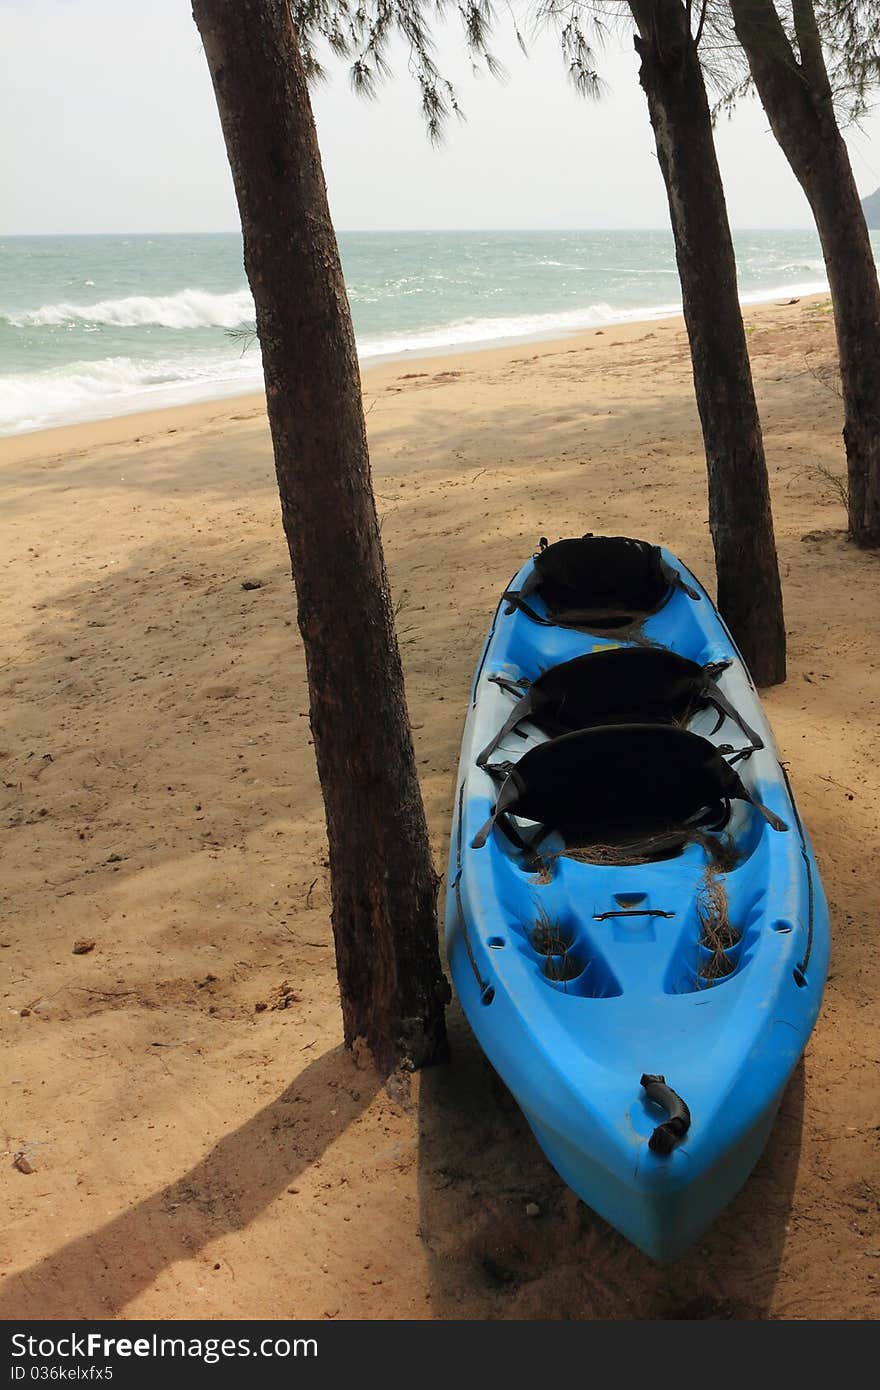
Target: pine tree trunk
799 105
383 883
740 519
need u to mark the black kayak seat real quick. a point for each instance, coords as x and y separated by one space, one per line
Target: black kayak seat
619 685
621 783
599 581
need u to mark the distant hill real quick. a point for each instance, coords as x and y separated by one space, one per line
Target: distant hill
872 210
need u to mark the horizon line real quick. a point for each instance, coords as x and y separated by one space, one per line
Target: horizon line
413 231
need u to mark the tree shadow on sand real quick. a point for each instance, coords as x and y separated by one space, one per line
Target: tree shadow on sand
229 1188
479 1168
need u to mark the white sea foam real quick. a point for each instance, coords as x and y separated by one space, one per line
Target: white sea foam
119 386
771 292
477 331
187 309
89 390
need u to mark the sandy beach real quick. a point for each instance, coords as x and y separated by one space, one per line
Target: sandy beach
200 1144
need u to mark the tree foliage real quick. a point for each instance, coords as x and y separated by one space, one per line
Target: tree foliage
361 32
849 31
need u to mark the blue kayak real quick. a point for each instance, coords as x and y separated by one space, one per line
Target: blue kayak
635 923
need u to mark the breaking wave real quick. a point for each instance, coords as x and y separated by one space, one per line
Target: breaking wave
186 309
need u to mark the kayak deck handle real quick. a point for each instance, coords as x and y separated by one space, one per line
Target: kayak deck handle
632 912
672 1130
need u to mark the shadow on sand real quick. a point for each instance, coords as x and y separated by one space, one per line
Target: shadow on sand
480 1166
235 1181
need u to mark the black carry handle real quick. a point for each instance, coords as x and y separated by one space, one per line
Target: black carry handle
673 1130
632 912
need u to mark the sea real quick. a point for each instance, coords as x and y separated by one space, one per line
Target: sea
97 326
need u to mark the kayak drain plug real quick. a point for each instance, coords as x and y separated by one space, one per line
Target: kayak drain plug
673 1130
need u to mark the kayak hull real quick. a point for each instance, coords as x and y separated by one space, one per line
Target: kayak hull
663 1223
633 1000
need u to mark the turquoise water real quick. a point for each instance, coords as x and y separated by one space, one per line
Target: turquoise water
94 326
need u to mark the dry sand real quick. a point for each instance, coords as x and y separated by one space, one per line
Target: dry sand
196 1154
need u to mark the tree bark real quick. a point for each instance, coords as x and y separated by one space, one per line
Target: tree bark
740 518
798 100
383 883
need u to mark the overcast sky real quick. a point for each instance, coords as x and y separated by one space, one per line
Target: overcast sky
110 126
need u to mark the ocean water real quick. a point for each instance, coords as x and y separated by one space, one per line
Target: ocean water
94 326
